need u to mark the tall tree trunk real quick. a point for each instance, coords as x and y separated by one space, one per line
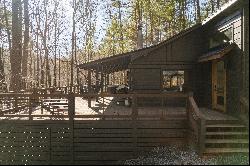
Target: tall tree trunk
73 47
7 23
212 5
25 43
2 77
139 28
198 11
55 52
45 36
121 45
16 51
37 61
59 69
218 4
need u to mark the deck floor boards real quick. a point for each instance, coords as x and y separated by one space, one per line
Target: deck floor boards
215 115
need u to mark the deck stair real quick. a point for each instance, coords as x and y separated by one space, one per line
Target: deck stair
226 137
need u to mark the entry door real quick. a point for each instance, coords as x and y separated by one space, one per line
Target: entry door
219 85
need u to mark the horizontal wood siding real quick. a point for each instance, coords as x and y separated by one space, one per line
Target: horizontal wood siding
146 79
94 142
237 36
203 84
34 143
245 64
183 50
157 56
179 54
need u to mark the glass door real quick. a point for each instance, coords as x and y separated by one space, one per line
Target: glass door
219 85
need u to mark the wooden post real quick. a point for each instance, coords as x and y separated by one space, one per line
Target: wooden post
71 113
105 82
189 94
170 81
97 84
16 103
102 82
89 87
202 136
134 107
103 108
134 123
30 108
107 79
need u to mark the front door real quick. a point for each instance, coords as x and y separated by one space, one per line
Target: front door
218 85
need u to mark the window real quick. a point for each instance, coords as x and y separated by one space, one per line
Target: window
228 34
221 37
173 80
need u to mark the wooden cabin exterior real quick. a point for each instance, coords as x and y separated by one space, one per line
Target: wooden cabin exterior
214 56
211 58
222 72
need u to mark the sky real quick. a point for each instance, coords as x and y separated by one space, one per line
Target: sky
101 24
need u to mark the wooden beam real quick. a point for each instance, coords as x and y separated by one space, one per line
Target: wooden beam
107 77
102 82
89 87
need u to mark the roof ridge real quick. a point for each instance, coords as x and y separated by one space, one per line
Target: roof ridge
218 11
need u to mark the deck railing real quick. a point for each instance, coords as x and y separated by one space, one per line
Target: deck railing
117 132
14 102
244 104
197 124
63 90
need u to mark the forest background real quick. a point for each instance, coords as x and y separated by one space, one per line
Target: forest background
43 41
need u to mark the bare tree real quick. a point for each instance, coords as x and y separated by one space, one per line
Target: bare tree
7 23
198 11
16 51
25 43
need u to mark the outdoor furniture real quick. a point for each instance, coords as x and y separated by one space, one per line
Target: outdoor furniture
55 105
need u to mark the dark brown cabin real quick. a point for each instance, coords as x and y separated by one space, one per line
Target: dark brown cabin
210 59
213 57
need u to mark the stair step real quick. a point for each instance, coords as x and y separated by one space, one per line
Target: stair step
226 150
225 125
226 133
217 141
231 121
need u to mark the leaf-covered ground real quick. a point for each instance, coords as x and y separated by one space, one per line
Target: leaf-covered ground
185 156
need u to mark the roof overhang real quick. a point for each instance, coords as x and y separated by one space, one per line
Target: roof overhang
121 61
113 63
223 8
217 53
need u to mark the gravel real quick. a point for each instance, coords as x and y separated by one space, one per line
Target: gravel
184 156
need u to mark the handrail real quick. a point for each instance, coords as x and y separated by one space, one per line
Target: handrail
200 122
71 97
195 108
175 94
244 101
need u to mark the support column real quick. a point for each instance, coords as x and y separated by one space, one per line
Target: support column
186 81
170 81
89 88
107 80
97 83
71 113
102 82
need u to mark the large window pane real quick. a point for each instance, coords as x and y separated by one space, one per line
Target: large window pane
173 80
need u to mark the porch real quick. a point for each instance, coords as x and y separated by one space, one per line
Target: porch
103 133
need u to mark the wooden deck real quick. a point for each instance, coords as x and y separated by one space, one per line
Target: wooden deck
86 141
105 132
110 106
104 106
215 115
